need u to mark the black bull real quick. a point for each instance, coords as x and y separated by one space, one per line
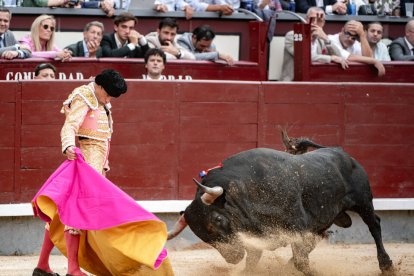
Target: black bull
263 192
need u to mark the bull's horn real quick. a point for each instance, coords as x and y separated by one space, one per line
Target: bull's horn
210 194
177 228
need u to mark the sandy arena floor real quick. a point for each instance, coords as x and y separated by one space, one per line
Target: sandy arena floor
326 259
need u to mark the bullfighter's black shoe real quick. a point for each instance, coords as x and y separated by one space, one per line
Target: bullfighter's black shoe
41 272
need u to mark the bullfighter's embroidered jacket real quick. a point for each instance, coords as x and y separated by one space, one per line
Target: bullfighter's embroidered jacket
85 117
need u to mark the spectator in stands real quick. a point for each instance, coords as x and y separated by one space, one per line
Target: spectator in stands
107 6
353 50
374 36
320 51
266 8
155 61
403 47
174 5
329 6
387 7
41 39
125 41
90 45
352 40
49 3
164 39
9 48
211 6
200 43
45 71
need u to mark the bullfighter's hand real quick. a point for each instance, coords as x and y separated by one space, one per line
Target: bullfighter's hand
70 153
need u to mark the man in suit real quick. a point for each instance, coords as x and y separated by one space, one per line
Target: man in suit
9 48
329 6
320 50
403 47
90 45
125 41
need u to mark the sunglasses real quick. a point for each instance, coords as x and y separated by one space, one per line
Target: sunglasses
46 27
351 36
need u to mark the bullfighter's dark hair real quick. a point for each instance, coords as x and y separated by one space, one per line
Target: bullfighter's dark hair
168 22
155 52
203 32
113 83
123 17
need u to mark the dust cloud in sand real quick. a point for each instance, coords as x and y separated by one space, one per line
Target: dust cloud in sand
201 259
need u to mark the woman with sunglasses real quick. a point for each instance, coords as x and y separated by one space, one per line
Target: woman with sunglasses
41 39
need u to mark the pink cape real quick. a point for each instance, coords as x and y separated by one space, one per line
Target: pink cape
88 201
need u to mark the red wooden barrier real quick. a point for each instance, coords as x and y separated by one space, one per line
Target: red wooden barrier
166 132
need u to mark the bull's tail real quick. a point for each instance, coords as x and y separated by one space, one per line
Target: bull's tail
298 145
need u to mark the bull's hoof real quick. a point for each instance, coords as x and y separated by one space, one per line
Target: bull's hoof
389 271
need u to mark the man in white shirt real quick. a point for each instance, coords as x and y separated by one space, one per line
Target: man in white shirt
374 36
353 45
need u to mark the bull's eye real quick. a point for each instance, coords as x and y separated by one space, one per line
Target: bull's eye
219 219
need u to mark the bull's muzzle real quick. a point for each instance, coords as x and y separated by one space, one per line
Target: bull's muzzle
177 228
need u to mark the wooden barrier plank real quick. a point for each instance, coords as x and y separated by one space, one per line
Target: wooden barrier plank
381 113
218 91
300 92
380 134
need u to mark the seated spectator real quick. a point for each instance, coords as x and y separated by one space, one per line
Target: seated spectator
352 40
164 39
321 51
49 3
374 36
387 7
353 50
174 5
45 71
266 8
107 6
125 41
200 43
41 39
9 48
90 45
403 47
329 6
155 61
211 6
